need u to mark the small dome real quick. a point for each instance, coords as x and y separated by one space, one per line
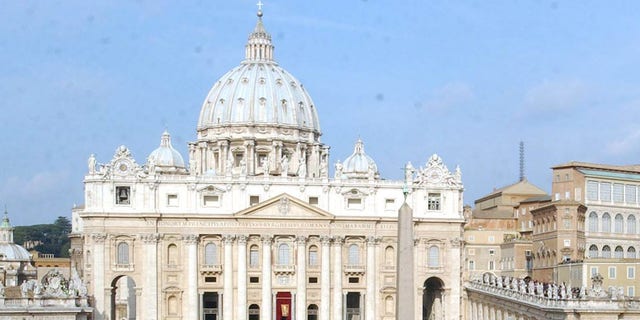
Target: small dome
8 249
12 251
166 158
359 164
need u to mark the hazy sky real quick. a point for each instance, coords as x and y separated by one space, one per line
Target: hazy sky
465 79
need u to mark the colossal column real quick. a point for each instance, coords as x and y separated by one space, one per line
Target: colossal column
370 303
191 292
265 312
227 300
404 272
150 273
337 277
301 278
241 311
98 274
325 279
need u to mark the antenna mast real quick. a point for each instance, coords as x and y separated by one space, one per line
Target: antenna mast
522 177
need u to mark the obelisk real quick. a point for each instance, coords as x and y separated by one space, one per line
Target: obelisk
405 285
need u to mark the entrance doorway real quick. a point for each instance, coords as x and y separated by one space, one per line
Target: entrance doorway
432 302
254 312
123 298
353 306
210 306
283 306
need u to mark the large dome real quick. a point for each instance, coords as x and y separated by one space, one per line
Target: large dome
259 92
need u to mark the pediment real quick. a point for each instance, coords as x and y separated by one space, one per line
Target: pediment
284 206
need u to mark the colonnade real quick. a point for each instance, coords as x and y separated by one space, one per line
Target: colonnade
300 303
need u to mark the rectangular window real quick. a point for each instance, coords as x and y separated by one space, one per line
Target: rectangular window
472 238
211 201
253 200
594 271
492 239
210 279
612 272
313 201
122 195
592 190
354 203
605 191
254 279
631 291
433 201
313 279
472 265
578 196
492 252
618 192
389 204
491 265
172 200
631 272
630 194
354 280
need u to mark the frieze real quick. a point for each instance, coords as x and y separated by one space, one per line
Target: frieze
263 224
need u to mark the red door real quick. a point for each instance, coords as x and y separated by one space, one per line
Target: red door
283 306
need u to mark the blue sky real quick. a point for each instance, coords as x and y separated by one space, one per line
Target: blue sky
465 79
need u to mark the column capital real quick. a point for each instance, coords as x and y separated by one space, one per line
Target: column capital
228 238
190 238
373 241
98 237
301 240
151 238
242 239
266 239
338 240
325 240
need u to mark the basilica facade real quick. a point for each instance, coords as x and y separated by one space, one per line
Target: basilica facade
254 226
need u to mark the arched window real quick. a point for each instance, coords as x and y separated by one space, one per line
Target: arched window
619 222
211 254
354 255
312 312
618 253
253 256
389 256
631 253
606 252
283 254
631 224
593 222
172 255
434 256
313 256
606 222
593 251
123 253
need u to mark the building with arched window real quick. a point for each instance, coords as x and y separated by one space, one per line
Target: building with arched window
253 225
610 194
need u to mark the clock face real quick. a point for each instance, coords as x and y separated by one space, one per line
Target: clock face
122 167
435 175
